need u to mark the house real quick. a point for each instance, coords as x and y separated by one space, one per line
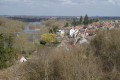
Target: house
76 32
112 27
90 26
62 32
83 41
21 58
116 21
72 32
106 28
83 35
67 30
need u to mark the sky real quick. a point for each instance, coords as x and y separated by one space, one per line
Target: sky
60 7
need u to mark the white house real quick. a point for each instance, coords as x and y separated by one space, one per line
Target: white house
22 58
72 32
62 33
76 32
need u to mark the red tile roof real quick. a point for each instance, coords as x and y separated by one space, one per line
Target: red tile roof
76 27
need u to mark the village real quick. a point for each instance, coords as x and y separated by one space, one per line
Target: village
84 33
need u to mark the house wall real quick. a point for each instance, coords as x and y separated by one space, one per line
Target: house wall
23 59
72 32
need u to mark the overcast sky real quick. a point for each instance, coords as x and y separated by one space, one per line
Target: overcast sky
60 7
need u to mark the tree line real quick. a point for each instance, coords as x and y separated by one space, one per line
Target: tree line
82 21
86 20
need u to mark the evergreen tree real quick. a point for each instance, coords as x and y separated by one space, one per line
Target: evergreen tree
96 19
1 45
81 18
2 53
50 31
67 24
74 22
55 29
86 20
91 20
10 50
7 52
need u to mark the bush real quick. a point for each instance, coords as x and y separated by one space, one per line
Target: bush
106 46
48 38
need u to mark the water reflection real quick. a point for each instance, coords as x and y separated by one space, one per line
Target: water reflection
32 35
27 29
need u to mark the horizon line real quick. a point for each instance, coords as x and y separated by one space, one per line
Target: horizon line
57 15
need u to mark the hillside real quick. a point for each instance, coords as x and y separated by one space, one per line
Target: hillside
97 61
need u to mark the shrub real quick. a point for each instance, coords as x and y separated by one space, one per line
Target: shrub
48 38
106 46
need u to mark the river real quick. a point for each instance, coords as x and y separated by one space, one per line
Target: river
27 29
32 35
